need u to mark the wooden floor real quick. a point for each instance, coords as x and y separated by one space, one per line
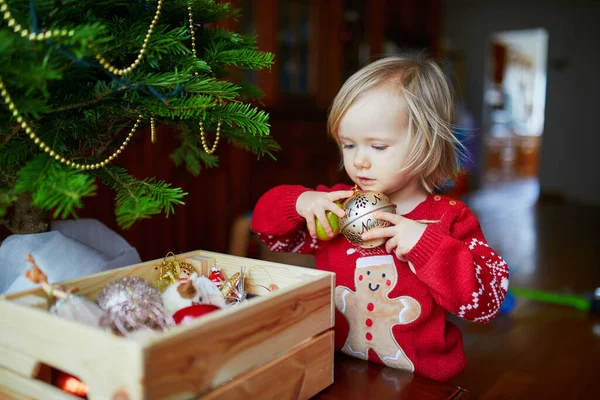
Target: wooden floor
537 350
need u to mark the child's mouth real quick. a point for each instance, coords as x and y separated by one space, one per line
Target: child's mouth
365 181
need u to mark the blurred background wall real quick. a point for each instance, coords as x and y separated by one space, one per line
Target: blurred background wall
571 142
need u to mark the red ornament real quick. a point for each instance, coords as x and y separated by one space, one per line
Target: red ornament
192 312
217 277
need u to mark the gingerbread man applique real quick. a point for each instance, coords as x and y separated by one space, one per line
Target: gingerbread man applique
371 314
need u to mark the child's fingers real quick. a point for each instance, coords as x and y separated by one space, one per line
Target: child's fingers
312 229
389 217
390 245
338 211
379 233
340 194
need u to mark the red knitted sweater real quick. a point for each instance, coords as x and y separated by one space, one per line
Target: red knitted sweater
393 311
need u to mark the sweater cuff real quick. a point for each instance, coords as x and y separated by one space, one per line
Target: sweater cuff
423 251
288 203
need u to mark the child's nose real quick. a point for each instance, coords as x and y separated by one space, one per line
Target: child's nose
361 161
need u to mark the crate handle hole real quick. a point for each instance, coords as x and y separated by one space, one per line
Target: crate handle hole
62 380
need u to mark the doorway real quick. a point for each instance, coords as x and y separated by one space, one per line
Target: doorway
513 105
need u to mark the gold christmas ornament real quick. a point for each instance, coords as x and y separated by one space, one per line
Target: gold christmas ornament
359 217
171 270
230 285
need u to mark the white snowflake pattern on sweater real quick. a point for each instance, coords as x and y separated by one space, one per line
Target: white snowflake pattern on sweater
492 296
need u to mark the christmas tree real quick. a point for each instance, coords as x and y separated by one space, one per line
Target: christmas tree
80 79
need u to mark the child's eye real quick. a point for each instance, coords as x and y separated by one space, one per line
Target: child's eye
347 146
379 147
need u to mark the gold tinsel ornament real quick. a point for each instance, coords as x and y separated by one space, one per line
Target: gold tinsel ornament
171 270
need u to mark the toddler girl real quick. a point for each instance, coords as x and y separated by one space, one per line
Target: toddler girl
392 121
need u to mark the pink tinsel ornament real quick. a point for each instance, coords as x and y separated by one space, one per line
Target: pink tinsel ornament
132 303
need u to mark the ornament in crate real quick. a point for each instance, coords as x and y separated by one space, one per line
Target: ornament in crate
217 276
190 313
171 270
125 305
189 291
359 217
234 289
132 306
194 296
131 303
68 305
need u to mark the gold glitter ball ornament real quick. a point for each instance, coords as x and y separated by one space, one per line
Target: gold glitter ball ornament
359 217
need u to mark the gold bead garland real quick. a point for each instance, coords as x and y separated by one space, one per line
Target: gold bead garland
214 146
47 149
201 124
17 28
123 71
193 35
152 130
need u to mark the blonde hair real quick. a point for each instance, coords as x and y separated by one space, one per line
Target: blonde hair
435 151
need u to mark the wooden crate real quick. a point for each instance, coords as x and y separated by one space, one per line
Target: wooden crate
277 345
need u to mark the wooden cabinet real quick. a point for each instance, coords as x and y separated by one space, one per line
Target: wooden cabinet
318 44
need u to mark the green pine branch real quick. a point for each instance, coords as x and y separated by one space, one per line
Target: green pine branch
14 152
246 116
260 146
190 152
139 199
210 10
54 186
241 58
236 39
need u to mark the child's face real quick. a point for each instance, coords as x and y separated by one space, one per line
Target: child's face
374 138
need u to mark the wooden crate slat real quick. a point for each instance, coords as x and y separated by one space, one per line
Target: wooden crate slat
19 362
300 374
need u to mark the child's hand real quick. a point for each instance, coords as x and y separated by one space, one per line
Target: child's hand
403 235
311 205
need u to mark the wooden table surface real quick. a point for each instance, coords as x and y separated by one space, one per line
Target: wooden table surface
359 379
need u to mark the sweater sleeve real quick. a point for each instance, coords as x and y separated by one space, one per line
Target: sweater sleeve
278 224
465 275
